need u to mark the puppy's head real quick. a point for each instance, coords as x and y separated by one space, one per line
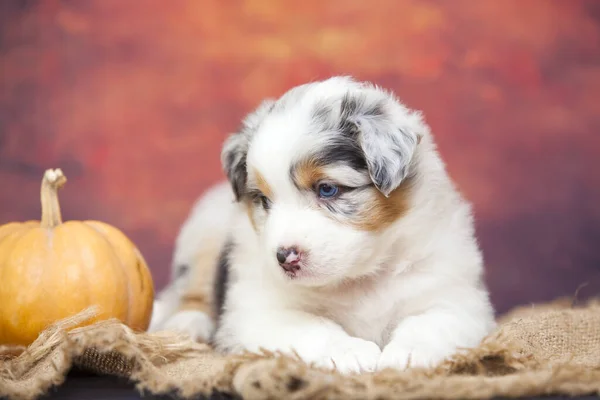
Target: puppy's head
323 171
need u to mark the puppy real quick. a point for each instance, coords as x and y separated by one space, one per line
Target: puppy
348 244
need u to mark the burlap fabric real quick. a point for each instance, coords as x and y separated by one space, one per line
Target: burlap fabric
548 349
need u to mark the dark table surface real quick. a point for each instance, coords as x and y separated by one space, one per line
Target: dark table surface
81 385
87 386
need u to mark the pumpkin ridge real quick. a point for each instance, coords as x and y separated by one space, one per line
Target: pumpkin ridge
77 244
121 270
138 268
144 275
143 294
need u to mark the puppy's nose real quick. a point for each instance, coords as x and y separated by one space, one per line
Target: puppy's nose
288 257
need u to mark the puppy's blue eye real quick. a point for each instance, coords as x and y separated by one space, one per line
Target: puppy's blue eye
327 191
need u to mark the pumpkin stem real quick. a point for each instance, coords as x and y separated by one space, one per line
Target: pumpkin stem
53 180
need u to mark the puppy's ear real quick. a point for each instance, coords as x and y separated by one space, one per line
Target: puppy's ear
387 133
233 160
235 148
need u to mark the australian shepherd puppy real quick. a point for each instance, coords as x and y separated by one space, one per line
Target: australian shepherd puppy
339 237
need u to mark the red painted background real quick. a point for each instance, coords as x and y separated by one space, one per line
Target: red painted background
133 101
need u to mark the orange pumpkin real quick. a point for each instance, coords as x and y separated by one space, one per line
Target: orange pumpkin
51 270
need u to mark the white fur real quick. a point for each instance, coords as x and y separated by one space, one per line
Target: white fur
206 223
407 295
196 324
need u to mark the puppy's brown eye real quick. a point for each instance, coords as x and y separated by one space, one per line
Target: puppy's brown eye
266 203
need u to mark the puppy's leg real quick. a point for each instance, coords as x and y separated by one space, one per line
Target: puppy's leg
186 305
257 324
426 339
187 313
165 305
194 313
192 319
315 340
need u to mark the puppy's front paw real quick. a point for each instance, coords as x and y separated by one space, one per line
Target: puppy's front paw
399 355
160 311
196 324
351 355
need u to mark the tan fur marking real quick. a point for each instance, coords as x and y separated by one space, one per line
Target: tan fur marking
377 214
382 211
307 174
199 293
195 302
262 185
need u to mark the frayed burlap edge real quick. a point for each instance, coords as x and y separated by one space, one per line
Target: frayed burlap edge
507 363
107 347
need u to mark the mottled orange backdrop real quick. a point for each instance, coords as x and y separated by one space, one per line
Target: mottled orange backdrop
133 100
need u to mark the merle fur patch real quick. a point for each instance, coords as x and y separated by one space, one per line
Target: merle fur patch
222 278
